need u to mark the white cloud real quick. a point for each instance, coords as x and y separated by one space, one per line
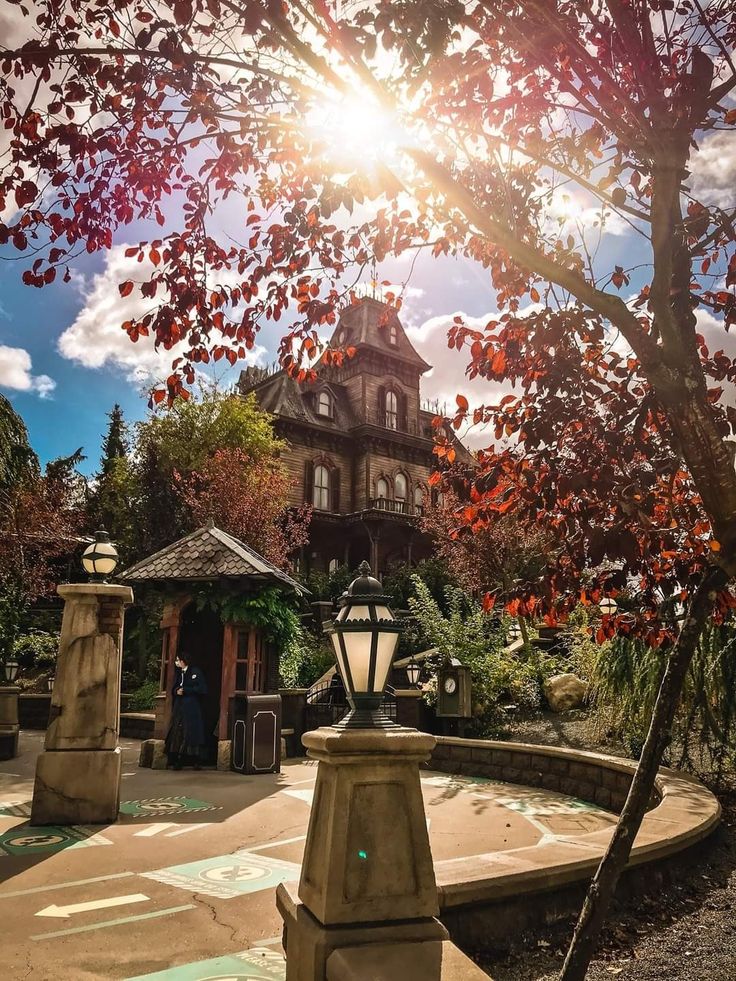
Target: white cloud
713 169
96 338
447 377
15 373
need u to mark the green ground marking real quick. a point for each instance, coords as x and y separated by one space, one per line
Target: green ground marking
27 840
166 805
228 876
256 964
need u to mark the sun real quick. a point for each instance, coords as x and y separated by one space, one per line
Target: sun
356 130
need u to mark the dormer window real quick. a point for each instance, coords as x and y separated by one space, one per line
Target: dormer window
393 335
324 404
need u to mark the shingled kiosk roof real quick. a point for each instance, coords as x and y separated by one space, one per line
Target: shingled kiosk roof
207 554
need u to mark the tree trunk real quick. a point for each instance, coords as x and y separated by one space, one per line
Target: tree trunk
524 630
603 886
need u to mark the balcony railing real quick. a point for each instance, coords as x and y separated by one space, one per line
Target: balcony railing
396 507
396 423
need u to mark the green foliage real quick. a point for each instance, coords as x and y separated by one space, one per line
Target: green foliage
304 660
625 682
268 610
17 459
330 586
581 652
478 640
434 573
142 699
36 652
172 445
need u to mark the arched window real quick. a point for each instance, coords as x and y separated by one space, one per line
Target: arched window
381 491
418 498
333 566
393 335
392 410
321 488
324 403
401 490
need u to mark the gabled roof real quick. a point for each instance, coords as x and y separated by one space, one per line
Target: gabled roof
367 323
208 554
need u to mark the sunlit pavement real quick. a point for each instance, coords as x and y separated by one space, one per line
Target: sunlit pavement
182 887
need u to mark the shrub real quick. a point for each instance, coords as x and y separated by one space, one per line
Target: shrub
304 660
36 651
142 699
478 640
626 678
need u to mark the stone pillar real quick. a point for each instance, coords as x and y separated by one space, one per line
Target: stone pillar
9 722
78 773
367 874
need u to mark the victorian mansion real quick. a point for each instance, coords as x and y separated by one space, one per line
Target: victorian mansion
360 445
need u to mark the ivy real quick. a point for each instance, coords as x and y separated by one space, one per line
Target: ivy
267 610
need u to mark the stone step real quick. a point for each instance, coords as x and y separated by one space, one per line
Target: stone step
431 960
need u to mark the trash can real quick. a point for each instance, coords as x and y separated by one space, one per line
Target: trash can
255 731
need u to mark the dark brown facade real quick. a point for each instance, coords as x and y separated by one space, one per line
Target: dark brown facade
360 444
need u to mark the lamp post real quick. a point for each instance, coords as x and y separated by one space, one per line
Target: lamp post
9 727
364 636
100 558
367 875
78 773
413 673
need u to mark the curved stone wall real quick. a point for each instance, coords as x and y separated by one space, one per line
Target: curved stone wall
485 899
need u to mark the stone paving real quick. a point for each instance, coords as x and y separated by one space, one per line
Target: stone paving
181 888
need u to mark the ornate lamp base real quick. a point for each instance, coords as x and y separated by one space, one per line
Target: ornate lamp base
367 875
366 718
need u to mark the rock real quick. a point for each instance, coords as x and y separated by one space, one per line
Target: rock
159 759
146 754
564 692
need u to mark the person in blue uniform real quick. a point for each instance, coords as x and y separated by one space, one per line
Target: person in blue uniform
185 740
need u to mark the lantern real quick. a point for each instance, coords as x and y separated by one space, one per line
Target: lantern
364 636
100 558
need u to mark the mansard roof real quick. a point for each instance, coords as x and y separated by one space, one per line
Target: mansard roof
367 323
283 397
208 554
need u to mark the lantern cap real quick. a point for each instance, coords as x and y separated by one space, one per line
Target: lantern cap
365 584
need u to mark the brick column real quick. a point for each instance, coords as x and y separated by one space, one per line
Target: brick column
78 773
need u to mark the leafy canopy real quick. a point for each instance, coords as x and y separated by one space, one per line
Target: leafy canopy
226 123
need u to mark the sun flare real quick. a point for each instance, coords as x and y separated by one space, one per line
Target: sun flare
356 129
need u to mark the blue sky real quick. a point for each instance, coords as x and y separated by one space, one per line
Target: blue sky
64 399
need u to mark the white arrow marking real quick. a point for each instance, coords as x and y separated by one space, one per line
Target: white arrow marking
66 911
154 829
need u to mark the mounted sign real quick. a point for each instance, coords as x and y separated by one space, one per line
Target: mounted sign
453 691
